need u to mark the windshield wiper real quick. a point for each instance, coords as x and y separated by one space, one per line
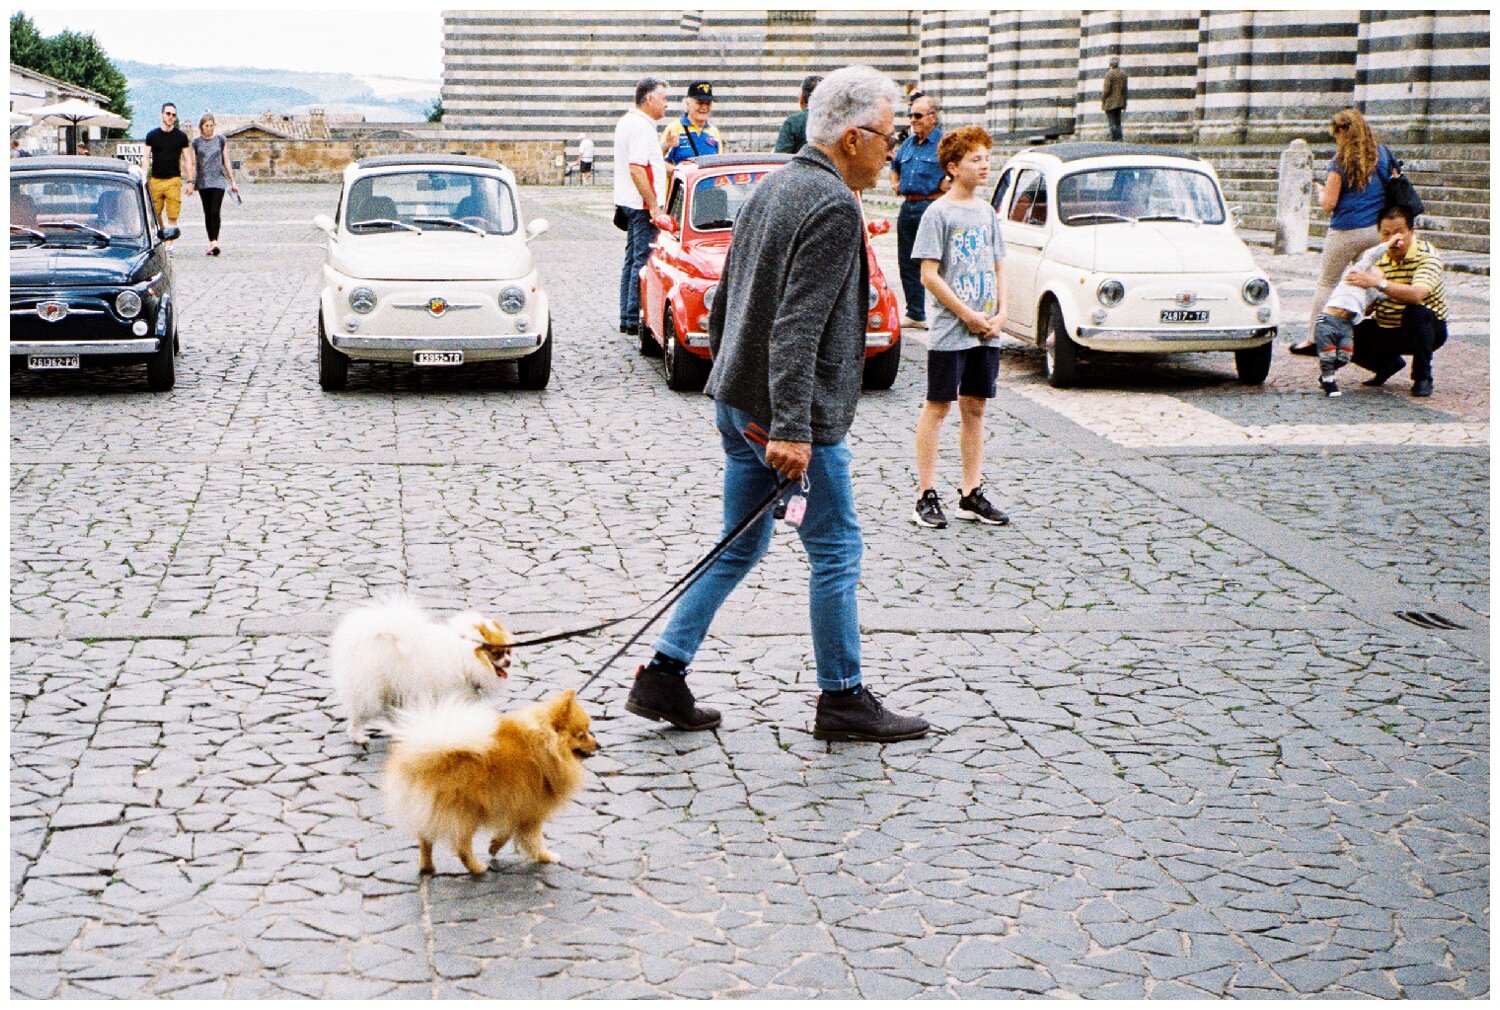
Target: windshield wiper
1096 216
451 222
383 222
1170 217
26 233
76 226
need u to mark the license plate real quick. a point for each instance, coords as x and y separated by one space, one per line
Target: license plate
437 357
1184 315
48 362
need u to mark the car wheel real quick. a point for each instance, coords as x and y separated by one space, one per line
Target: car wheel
161 369
535 370
1254 363
881 369
333 364
1062 353
686 372
649 347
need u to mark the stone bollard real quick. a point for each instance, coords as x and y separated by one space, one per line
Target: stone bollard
1293 198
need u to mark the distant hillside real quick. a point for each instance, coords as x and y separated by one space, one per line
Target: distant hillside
251 90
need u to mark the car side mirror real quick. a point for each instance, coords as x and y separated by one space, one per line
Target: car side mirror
1236 214
672 225
170 234
879 227
324 223
537 227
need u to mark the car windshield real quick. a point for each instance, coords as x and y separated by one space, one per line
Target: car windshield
76 208
428 200
717 199
1138 193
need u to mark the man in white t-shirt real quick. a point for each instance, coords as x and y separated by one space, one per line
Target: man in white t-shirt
640 190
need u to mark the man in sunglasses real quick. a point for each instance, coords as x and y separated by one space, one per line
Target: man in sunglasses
918 178
167 161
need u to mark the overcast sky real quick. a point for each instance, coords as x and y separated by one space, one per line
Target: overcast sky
395 43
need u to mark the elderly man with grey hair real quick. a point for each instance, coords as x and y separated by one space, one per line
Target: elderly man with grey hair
787 330
640 190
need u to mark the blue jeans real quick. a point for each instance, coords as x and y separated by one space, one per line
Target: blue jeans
907 222
638 239
830 534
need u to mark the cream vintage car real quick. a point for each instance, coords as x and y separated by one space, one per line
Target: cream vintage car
1126 248
428 266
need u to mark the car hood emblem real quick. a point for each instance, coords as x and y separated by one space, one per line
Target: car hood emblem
437 306
52 311
1186 298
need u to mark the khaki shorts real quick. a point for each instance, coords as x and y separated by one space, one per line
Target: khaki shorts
166 193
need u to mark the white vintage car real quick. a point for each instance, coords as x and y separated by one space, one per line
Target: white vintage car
428 266
1126 248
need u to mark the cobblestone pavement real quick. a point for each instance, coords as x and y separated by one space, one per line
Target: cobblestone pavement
1187 747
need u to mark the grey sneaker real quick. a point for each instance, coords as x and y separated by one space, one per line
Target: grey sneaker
975 505
929 511
861 716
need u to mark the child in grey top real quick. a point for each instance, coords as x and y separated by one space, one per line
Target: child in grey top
964 238
1334 331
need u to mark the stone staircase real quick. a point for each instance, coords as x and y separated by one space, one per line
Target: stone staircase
1454 181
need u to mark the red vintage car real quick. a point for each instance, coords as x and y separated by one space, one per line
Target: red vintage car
681 276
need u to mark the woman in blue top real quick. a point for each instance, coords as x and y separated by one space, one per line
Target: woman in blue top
1354 196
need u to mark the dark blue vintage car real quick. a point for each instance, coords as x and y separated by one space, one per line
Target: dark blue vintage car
90 273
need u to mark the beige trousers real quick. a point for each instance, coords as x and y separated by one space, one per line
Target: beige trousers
1340 248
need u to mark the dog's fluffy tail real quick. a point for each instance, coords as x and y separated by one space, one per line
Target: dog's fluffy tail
447 726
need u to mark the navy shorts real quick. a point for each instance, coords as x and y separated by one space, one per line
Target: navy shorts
971 372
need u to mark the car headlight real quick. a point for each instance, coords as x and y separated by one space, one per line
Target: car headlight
873 298
1110 293
708 297
1256 290
362 300
128 304
512 300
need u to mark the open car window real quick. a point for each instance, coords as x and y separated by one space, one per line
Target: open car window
717 199
1029 205
1134 193
481 202
109 205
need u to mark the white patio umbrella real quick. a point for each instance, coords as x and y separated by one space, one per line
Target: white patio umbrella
19 119
77 112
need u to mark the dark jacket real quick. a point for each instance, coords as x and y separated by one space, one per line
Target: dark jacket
788 325
793 133
1114 89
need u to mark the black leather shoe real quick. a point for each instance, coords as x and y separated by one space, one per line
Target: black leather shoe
1379 378
665 697
1422 387
861 716
630 329
1306 350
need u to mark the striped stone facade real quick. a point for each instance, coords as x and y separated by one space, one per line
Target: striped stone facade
1196 77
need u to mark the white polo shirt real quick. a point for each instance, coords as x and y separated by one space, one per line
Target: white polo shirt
636 144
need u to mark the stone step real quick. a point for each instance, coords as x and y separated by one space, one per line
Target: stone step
1443 239
1467 261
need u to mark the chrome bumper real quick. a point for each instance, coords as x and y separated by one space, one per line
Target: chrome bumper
1104 338
399 348
138 345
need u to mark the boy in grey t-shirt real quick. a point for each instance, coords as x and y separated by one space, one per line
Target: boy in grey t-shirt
959 246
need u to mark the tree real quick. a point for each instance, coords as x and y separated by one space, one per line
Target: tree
75 57
435 111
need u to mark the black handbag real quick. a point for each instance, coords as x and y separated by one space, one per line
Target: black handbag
1399 192
621 221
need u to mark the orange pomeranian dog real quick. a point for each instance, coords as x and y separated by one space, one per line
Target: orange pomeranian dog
457 766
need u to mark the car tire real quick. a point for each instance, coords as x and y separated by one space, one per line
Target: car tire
1254 363
881 369
535 370
686 372
333 364
161 368
649 347
1062 352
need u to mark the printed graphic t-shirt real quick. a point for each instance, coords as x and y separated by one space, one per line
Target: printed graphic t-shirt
966 242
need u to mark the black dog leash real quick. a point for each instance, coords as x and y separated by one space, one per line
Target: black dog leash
673 593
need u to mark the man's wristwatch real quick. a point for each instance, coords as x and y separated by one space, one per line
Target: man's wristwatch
1381 286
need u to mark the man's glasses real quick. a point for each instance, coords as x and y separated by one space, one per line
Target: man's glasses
891 140
917 115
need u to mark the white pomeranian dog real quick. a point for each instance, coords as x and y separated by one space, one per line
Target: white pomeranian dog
391 654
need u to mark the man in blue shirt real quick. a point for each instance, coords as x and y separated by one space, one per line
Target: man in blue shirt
919 179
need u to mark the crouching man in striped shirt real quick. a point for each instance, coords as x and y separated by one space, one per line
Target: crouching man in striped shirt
1412 317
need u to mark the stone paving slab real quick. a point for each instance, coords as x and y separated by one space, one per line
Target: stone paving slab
1186 747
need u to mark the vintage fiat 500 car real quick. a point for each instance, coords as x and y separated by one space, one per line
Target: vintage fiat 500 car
427 265
1126 248
90 275
681 275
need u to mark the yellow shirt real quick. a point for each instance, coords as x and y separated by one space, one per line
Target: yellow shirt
1422 266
